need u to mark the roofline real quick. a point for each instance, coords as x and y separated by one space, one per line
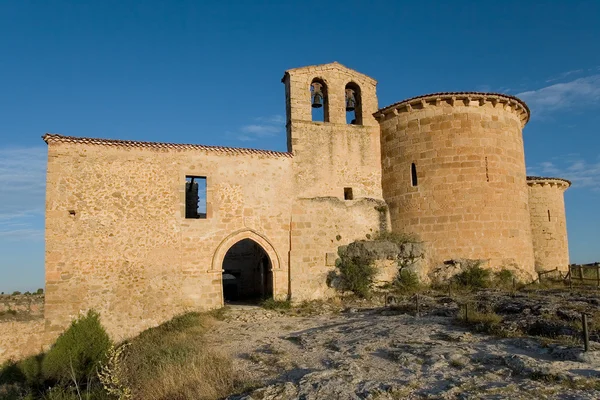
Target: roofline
532 180
320 67
454 96
57 138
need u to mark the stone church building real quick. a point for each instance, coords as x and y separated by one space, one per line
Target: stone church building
141 231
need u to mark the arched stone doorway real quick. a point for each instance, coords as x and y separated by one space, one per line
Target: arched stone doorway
247 273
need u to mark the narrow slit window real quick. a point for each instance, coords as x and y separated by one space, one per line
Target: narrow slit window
413 174
195 197
348 194
549 215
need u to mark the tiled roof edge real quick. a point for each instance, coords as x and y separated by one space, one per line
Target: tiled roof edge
53 137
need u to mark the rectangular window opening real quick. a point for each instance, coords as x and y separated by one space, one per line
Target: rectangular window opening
195 197
348 194
549 216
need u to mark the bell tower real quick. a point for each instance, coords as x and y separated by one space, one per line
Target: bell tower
332 132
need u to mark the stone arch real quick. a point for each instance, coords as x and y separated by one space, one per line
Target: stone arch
352 91
319 83
233 238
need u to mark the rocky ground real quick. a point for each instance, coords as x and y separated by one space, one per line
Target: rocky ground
369 351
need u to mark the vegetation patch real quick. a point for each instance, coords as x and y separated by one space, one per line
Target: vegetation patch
356 274
171 361
272 304
67 371
406 281
480 321
473 277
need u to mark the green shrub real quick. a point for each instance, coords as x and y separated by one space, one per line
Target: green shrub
504 277
473 277
356 275
10 373
13 392
40 291
16 292
31 368
78 352
406 281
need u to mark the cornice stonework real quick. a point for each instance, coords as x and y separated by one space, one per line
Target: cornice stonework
456 98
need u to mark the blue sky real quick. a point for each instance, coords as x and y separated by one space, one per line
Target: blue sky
209 73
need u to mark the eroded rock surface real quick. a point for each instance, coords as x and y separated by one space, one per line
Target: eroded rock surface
379 354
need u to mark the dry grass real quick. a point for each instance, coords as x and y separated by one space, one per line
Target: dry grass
173 361
485 322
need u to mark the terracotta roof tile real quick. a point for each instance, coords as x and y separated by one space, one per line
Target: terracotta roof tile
52 137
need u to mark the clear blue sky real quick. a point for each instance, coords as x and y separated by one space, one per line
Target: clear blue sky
209 73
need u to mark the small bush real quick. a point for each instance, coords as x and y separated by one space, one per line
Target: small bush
40 291
485 322
504 277
10 373
356 275
13 392
78 352
473 277
272 304
396 237
31 367
16 292
406 281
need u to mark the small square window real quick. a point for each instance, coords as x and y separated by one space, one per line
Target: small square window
348 194
195 197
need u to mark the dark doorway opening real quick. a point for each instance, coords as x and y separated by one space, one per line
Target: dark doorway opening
247 273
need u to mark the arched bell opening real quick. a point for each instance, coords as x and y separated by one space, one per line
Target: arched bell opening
319 101
247 273
353 103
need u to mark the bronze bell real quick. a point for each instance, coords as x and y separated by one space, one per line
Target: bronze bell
317 96
350 101
317 100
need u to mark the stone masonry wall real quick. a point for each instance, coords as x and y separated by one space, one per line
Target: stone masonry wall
21 326
117 239
548 223
320 226
20 339
470 199
329 156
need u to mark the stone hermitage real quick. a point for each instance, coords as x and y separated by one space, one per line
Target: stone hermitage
123 236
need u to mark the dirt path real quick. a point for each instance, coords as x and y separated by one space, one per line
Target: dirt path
378 354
